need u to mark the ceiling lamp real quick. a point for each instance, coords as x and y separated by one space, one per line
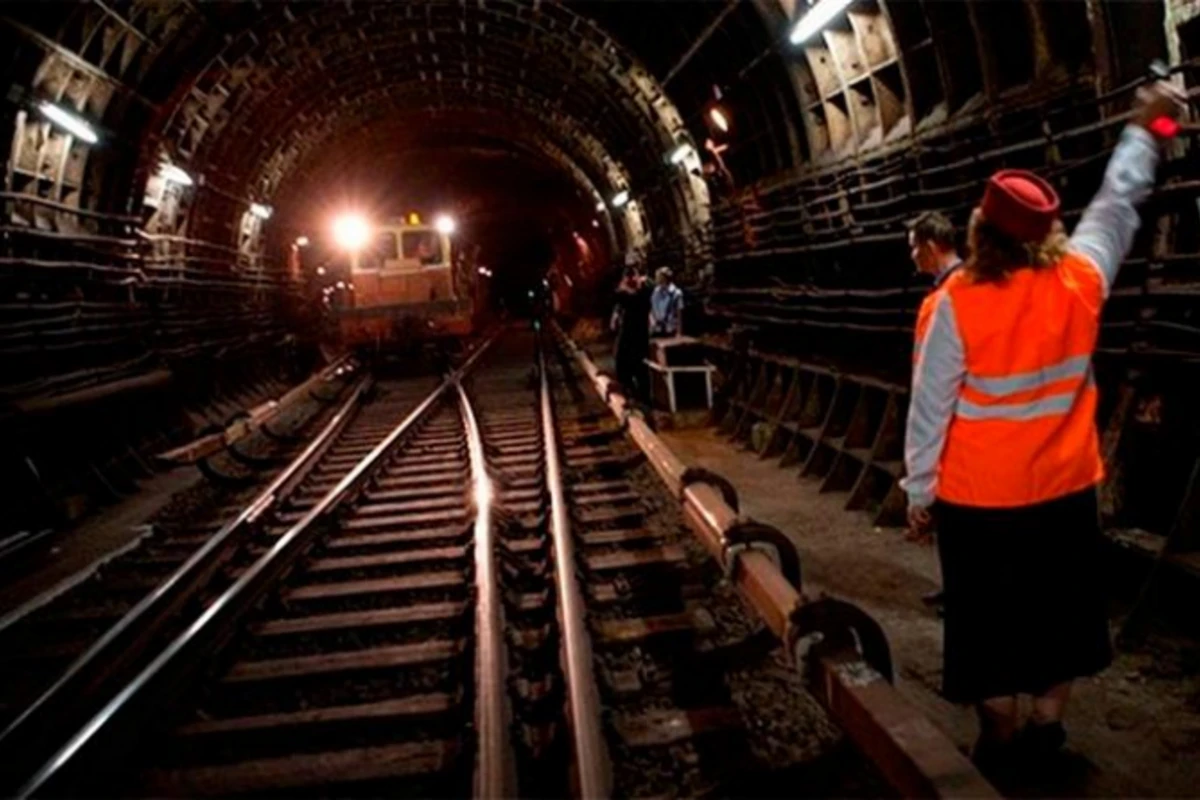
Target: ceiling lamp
620 198
816 18
72 123
261 211
717 115
173 174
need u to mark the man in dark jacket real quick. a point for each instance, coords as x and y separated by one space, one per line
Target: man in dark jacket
632 320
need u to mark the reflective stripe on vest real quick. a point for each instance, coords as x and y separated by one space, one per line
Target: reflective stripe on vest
1025 395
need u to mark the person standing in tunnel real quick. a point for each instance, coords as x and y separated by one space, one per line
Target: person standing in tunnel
934 250
1002 435
666 305
632 324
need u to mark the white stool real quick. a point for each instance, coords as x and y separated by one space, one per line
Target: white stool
669 374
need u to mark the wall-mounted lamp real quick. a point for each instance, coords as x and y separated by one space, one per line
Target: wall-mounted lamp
719 119
72 123
173 174
680 153
816 18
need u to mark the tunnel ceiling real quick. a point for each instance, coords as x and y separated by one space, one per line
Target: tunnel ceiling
248 95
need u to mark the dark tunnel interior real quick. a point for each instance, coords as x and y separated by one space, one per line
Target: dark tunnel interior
775 179
205 200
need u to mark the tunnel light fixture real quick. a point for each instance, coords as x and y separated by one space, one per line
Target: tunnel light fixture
680 153
719 119
445 224
302 241
173 174
351 231
320 270
72 123
816 18
620 198
261 211
600 207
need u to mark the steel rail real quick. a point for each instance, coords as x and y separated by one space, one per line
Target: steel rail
27 738
913 755
109 731
593 768
495 763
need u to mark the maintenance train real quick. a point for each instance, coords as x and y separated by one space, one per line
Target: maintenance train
404 282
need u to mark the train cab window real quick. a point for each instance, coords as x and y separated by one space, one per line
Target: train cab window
422 246
381 250
385 246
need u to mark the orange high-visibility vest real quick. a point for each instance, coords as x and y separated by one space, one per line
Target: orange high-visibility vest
1024 428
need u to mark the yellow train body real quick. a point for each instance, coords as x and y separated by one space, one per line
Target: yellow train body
406 284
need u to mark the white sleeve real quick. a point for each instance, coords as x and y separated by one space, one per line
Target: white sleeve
1105 231
937 378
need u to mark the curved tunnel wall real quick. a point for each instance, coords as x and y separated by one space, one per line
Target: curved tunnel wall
896 107
111 277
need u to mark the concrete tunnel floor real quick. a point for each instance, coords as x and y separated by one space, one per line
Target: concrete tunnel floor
1133 730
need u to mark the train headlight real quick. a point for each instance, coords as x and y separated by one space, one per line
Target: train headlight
351 231
445 224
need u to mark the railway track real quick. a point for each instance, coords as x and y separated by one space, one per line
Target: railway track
497 598
59 655
39 640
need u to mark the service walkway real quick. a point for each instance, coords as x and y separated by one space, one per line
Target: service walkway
1135 729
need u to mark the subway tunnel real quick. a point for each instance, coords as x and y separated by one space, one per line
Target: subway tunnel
170 268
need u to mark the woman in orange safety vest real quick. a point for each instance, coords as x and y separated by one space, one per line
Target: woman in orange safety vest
1002 435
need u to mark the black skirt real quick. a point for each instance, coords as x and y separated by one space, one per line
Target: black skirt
1025 606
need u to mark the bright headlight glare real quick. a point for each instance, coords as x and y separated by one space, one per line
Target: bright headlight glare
351 231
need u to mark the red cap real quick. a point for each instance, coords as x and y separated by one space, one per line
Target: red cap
1020 204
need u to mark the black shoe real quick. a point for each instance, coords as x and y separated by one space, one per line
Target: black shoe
1041 741
995 760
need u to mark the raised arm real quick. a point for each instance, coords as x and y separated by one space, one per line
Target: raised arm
1105 231
938 372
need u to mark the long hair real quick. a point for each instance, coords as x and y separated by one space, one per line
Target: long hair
995 255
